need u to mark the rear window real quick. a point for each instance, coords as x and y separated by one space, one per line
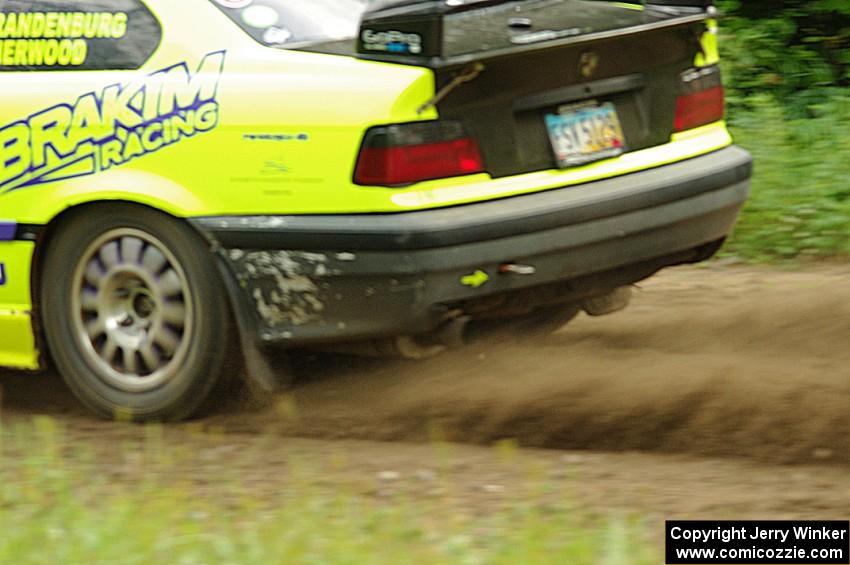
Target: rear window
288 23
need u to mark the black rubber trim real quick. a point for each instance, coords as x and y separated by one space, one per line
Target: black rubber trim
487 220
29 232
569 94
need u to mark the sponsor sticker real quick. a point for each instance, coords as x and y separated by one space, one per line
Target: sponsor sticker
277 35
234 4
392 41
260 16
276 137
476 280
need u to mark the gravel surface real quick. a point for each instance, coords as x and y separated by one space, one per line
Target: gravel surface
723 391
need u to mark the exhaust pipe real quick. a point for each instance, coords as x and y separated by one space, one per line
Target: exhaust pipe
448 336
609 303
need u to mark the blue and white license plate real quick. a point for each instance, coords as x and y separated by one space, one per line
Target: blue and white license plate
584 133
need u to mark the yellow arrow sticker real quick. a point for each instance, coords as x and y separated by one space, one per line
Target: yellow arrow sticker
476 279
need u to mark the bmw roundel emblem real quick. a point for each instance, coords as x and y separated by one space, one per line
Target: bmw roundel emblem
588 64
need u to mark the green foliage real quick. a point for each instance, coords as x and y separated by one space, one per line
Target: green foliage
787 69
800 202
797 51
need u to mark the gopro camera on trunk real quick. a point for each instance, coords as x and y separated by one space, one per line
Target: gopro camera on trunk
412 29
455 33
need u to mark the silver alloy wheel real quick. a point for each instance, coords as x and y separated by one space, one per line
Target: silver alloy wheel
132 310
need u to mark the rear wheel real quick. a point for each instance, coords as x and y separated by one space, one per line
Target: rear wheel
133 313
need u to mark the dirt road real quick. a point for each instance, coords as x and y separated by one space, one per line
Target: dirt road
722 391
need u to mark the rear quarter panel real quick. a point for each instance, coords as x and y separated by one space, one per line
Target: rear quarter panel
287 124
279 134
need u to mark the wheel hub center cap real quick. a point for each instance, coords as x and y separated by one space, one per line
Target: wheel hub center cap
143 305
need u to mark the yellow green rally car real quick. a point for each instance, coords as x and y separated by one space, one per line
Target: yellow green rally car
181 176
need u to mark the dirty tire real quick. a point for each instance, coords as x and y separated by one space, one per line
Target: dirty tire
540 322
133 312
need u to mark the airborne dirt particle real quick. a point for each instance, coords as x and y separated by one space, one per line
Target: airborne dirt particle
744 362
709 361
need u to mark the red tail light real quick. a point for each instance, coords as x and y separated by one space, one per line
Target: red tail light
702 100
407 153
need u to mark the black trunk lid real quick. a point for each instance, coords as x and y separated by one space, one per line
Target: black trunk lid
532 58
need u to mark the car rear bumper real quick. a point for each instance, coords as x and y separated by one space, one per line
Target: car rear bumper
322 279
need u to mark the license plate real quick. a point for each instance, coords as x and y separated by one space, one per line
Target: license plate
581 134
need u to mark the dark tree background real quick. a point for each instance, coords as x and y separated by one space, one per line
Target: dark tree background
786 66
797 50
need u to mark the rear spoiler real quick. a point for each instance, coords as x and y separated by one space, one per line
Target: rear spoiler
414 31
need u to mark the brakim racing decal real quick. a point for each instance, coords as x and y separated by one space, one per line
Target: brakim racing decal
104 130
34 39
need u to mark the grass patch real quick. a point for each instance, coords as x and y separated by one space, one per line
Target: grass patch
74 502
800 202
785 68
